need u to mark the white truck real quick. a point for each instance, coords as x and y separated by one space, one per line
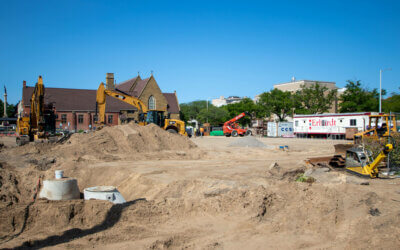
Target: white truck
330 125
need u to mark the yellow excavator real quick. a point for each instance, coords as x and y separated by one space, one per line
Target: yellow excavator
146 116
40 124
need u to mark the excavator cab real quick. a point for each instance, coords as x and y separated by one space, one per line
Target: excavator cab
156 117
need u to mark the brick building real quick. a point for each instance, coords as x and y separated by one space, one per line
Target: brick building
76 108
148 91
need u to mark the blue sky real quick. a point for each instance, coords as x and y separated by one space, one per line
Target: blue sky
201 49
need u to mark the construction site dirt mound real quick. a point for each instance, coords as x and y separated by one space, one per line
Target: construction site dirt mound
127 141
249 201
248 141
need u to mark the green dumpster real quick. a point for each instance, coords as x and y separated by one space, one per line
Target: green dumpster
217 133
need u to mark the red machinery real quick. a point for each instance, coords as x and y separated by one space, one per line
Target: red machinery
231 128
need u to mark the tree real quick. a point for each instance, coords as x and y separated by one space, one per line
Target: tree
11 109
358 99
214 115
316 99
391 104
191 110
198 110
278 102
245 105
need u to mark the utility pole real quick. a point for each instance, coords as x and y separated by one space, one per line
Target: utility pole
5 102
380 91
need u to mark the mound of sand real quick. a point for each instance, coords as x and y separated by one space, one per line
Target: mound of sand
126 139
247 141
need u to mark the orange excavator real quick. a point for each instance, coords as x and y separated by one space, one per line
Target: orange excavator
231 128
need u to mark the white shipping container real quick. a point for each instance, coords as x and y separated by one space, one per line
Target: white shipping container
330 124
271 129
285 129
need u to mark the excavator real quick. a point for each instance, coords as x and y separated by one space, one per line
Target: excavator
388 127
231 128
40 124
360 161
146 116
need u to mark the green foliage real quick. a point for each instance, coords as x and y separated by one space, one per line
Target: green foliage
244 105
358 99
191 110
11 109
278 102
303 178
214 115
198 110
315 99
391 104
376 147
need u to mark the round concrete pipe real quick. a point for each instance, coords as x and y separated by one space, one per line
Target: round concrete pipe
107 193
60 189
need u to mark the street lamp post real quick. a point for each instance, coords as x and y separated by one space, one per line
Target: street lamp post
380 88
207 110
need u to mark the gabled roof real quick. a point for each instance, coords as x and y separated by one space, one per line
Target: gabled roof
140 85
137 83
74 100
173 106
127 85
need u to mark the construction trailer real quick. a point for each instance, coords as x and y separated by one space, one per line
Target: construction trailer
333 126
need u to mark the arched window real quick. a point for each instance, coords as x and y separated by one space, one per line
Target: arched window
152 102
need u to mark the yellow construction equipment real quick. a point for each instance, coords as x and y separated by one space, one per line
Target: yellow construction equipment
355 160
388 127
41 121
361 163
146 116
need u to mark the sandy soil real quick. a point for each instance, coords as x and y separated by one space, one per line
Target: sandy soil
207 197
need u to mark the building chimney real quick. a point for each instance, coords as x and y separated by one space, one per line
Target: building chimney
110 81
24 84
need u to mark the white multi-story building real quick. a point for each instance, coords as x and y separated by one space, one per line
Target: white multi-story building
221 101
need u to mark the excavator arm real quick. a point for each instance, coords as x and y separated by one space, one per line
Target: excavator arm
33 127
101 95
37 107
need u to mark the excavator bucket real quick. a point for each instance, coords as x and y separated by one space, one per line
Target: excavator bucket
340 149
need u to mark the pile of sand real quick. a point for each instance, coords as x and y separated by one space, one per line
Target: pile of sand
247 141
128 141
